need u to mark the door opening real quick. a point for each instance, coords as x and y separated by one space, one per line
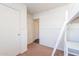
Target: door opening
36 30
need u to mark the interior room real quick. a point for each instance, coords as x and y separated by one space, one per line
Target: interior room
39 29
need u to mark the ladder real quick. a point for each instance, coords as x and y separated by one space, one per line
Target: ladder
63 31
68 17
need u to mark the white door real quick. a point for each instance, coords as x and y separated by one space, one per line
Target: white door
9 31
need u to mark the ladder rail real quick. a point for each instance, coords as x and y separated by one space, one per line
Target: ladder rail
65 42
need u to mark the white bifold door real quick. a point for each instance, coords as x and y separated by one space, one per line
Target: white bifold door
9 31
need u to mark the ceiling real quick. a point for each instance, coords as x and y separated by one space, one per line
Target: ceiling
39 7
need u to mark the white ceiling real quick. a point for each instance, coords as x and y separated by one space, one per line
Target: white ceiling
39 7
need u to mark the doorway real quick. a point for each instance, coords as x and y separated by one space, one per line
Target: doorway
36 30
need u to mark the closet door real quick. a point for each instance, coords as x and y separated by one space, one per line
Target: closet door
9 31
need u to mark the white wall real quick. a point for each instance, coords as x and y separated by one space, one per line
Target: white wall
22 10
30 28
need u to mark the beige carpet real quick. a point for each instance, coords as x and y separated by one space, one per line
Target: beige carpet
40 50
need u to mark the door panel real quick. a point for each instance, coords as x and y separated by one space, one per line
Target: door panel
9 29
